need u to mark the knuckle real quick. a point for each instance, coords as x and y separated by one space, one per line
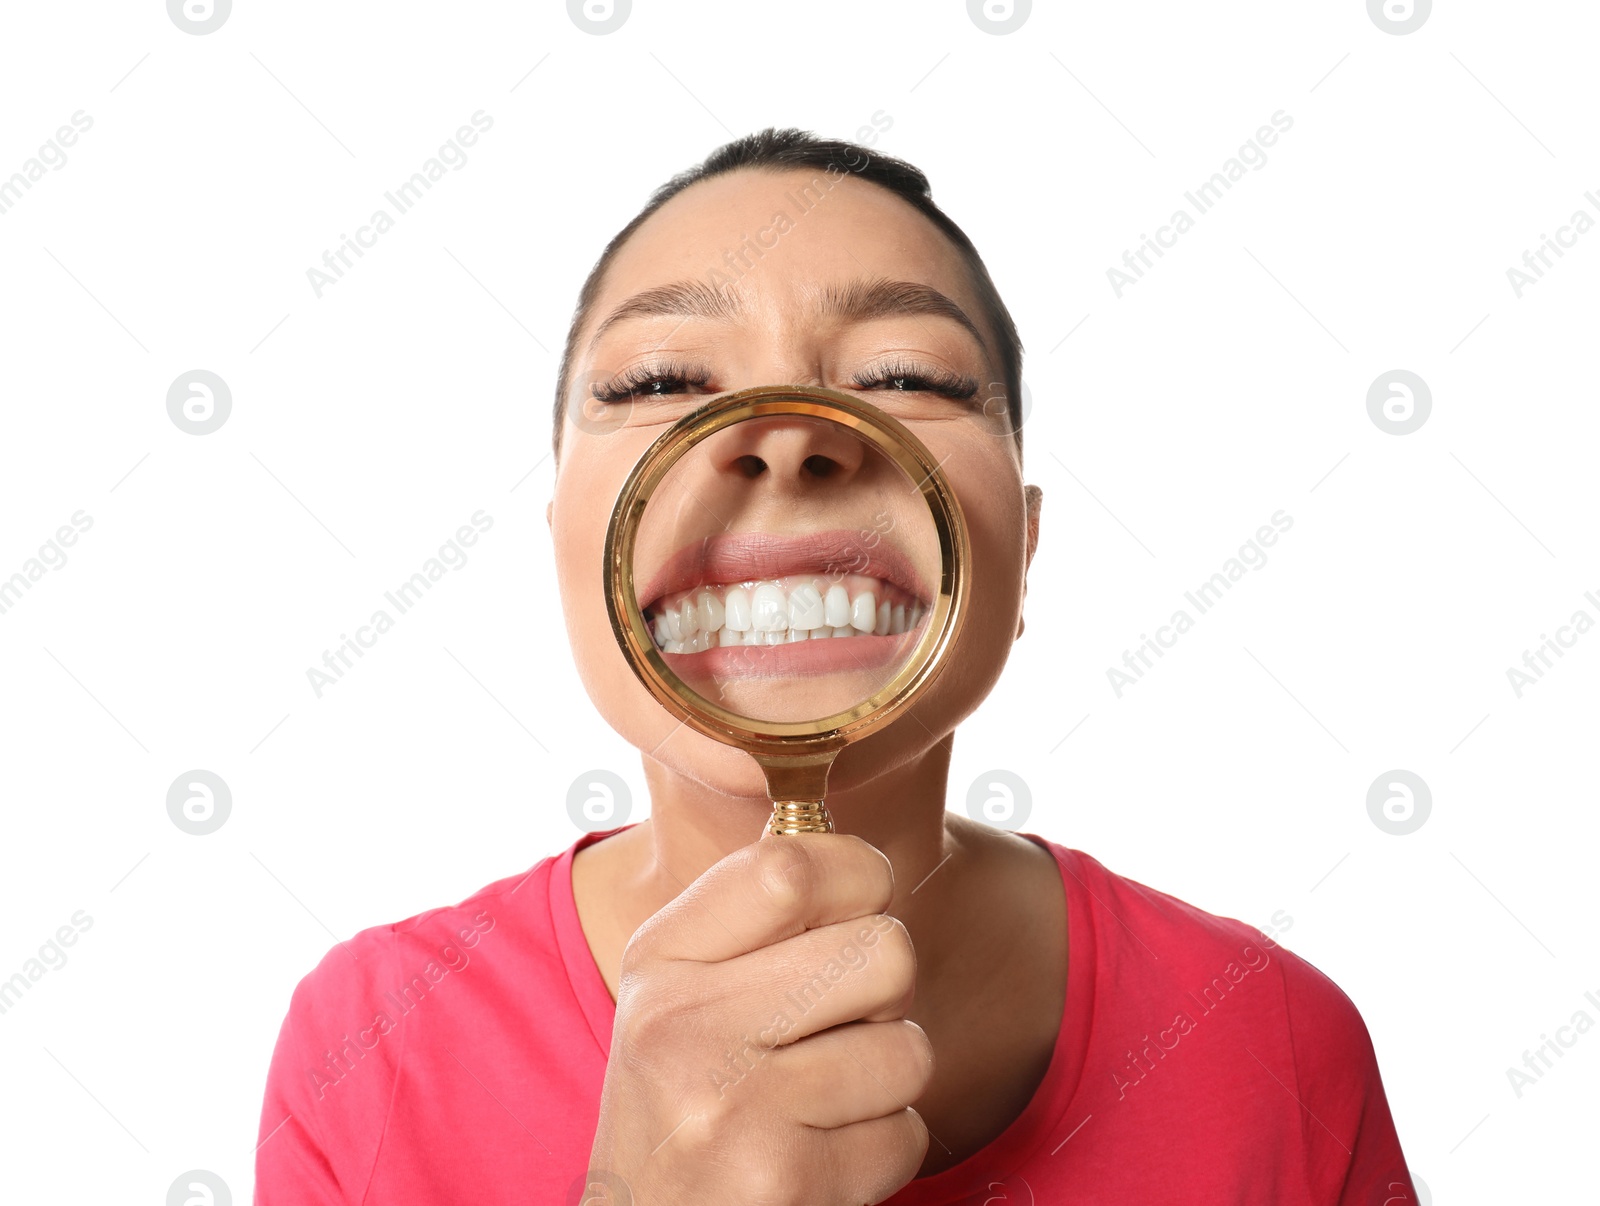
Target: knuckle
871 865
899 957
768 1183
918 1054
786 873
653 1011
917 1044
639 951
916 1132
700 1132
878 867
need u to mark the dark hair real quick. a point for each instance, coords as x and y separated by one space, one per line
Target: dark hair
779 149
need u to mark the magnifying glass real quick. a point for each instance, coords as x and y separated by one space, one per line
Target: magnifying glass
785 571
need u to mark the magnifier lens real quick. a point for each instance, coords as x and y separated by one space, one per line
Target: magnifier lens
786 569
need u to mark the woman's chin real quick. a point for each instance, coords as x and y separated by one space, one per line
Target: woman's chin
719 769
730 777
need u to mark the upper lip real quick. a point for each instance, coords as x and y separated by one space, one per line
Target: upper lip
750 556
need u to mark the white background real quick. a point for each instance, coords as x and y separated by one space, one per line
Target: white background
1166 426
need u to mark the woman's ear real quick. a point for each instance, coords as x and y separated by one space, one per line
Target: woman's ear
1034 498
549 515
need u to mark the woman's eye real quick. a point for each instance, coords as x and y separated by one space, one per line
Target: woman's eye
897 380
647 383
616 391
657 386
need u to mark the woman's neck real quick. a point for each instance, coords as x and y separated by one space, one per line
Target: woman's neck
901 813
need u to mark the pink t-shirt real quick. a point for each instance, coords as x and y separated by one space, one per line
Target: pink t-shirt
458 1056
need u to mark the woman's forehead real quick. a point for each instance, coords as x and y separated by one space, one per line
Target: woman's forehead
790 241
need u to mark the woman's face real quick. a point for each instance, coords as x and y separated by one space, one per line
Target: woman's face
796 253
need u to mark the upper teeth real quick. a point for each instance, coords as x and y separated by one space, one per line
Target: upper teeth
778 610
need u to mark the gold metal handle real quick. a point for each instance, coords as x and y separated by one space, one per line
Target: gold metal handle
796 786
800 816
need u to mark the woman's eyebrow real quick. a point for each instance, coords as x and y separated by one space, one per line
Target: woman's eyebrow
858 301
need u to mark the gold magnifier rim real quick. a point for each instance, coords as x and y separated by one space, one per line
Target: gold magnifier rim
883 432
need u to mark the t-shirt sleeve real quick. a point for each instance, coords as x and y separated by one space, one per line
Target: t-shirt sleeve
1353 1151
329 1085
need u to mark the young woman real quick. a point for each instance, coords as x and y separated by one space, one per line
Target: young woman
915 1009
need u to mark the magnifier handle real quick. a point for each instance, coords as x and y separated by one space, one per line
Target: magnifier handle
799 816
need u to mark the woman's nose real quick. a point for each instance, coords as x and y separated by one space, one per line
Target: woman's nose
789 453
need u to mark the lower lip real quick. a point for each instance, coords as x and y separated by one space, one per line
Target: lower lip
793 659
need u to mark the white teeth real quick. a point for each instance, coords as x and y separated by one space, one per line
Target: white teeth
737 604
837 606
769 610
805 608
711 611
864 611
781 611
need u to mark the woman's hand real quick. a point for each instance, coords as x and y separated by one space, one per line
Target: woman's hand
761 1054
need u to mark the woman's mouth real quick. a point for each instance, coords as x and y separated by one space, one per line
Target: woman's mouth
758 605
780 611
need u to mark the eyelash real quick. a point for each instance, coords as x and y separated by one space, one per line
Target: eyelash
928 379
635 379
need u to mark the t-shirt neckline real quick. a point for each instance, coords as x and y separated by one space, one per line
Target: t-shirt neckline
1041 1118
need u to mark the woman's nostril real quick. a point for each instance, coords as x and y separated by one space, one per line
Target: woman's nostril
821 466
751 466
